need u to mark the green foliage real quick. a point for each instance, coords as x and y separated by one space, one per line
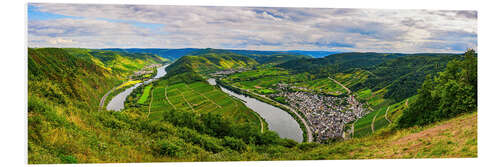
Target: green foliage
168 148
452 92
307 146
68 159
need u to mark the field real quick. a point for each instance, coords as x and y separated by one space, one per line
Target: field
145 94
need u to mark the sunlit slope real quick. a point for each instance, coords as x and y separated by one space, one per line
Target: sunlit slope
452 138
122 63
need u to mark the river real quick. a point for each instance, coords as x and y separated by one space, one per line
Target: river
277 119
118 102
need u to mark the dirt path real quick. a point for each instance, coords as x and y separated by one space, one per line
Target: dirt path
386 118
103 99
261 123
373 122
218 106
189 104
348 91
166 97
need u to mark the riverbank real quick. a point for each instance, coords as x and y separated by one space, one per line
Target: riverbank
117 102
297 116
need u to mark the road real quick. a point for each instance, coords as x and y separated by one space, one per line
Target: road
386 111
348 91
103 99
308 129
373 122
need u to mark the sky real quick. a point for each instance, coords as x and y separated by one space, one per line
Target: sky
252 28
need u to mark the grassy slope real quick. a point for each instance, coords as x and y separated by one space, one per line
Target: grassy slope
456 137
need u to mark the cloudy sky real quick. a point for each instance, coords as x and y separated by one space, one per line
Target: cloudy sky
257 28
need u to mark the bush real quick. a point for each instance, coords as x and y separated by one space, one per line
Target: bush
68 159
307 146
168 148
288 143
234 144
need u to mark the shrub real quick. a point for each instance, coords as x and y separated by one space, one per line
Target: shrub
68 159
167 148
234 144
307 146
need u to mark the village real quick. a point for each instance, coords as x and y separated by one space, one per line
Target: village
326 114
150 69
223 73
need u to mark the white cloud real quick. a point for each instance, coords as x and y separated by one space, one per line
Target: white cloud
256 28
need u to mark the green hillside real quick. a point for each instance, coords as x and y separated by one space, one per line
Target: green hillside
117 62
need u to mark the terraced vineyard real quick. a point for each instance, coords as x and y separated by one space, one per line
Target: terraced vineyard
198 97
380 118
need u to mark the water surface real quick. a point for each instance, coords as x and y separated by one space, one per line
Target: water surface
277 119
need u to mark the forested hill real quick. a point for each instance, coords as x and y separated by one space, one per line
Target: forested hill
261 57
337 62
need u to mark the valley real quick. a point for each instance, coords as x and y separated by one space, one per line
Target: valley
214 104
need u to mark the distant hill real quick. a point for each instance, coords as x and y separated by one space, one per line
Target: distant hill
315 54
262 57
338 62
206 61
174 54
171 54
